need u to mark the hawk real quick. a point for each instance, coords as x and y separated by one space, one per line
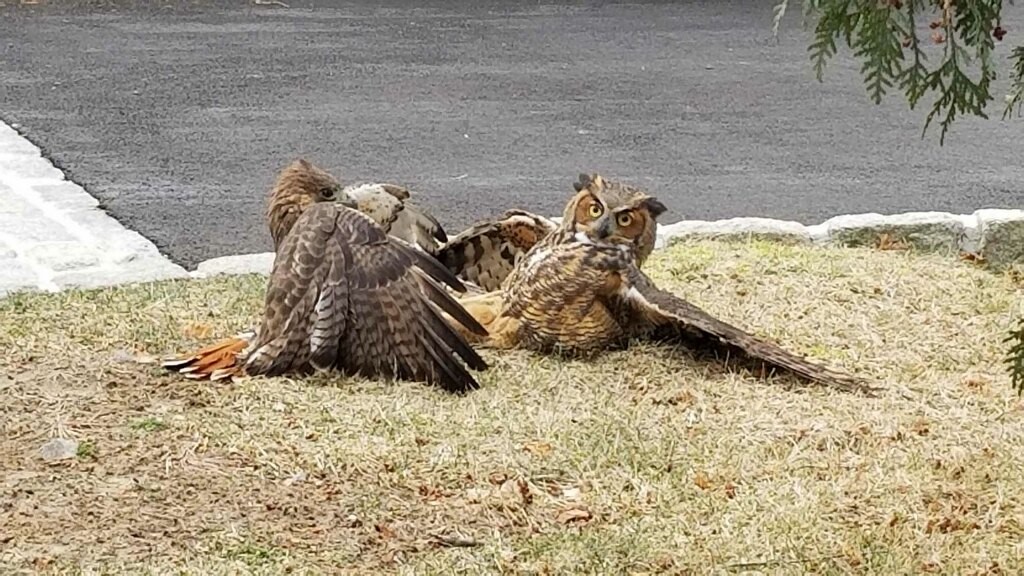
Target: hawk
580 290
391 206
345 295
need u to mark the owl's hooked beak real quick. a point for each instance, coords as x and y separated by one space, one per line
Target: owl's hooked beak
604 228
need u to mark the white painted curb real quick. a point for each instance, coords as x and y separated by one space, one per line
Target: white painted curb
53 235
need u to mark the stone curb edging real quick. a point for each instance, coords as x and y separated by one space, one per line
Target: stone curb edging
54 235
996 235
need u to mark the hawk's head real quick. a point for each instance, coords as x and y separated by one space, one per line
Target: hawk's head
298 186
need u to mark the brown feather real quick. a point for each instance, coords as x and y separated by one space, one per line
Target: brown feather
486 252
663 316
206 360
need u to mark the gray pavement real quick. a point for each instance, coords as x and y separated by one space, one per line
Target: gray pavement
54 236
177 120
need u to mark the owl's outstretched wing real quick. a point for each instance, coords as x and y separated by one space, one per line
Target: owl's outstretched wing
486 253
664 316
392 208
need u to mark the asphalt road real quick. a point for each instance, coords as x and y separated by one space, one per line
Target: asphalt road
177 120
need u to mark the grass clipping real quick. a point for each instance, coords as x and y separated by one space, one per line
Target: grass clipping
644 461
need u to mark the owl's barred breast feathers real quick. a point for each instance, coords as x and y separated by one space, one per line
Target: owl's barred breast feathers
581 290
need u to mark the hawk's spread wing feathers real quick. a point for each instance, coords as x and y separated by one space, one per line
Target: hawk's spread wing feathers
486 253
343 294
666 316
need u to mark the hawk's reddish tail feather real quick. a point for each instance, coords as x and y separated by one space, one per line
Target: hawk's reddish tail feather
218 361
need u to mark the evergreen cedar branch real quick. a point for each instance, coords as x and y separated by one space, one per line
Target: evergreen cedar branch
883 34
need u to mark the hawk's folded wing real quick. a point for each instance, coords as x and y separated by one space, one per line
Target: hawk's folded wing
343 294
486 253
663 315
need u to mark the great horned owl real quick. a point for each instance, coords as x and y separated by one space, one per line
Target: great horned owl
344 295
580 290
487 252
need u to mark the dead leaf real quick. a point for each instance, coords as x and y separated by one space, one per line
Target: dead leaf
431 492
198 331
730 490
887 241
920 426
386 533
574 515
524 491
538 448
972 257
683 399
975 382
702 481
421 441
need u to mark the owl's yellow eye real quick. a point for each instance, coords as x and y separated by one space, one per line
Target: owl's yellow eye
624 219
595 211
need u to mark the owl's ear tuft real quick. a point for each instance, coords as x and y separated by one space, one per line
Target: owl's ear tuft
583 180
654 206
588 181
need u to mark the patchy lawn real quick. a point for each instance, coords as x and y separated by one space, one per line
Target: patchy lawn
645 461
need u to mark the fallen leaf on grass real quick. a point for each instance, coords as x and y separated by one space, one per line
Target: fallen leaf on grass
386 533
431 492
887 241
574 515
702 481
683 399
198 331
524 491
921 426
975 382
972 257
730 490
538 448
455 541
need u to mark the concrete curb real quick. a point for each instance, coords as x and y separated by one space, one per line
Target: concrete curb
995 235
53 235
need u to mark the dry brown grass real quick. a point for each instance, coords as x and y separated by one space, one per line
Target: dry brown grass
645 461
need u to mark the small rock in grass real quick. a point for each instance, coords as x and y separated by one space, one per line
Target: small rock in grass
59 449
